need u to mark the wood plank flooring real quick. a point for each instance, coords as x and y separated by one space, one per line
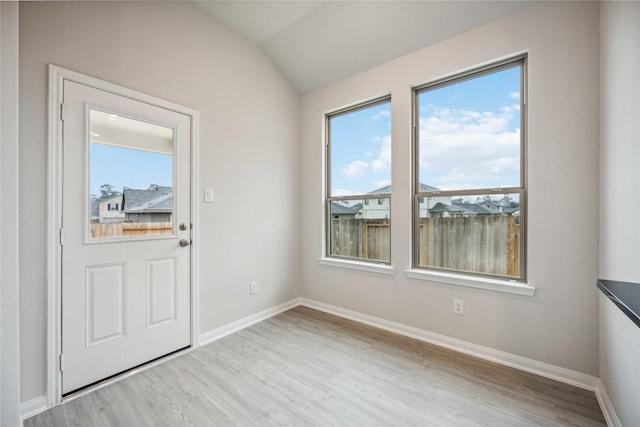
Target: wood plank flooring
307 368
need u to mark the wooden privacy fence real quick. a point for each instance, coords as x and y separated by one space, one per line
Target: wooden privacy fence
484 244
127 229
361 238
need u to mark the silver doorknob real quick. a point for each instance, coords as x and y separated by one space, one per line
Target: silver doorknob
184 243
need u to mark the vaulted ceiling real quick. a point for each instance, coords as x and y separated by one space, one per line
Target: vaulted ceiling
315 43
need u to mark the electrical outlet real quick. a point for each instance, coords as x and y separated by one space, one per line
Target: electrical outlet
253 288
458 306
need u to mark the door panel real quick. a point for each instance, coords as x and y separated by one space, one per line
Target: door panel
126 280
105 304
161 291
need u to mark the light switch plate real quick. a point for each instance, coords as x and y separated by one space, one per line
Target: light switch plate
208 195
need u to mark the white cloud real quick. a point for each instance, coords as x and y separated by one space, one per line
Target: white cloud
514 95
469 149
355 169
383 162
383 114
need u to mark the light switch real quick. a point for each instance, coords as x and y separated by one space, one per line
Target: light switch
208 195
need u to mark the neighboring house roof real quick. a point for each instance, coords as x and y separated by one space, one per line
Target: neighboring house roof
384 190
442 207
492 206
387 189
155 199
424 188
511 210
340 209
478 209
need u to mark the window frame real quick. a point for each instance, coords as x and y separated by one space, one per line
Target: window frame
521 190
328 199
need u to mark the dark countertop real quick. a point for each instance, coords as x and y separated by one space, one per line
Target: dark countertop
625 295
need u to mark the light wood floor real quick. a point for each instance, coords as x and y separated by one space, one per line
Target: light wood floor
307 368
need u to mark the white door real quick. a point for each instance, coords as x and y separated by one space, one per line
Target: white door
126 281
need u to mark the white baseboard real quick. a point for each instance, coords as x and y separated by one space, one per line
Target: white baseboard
606 406
33 407
546 370
232 327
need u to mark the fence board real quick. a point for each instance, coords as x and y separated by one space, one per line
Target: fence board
129 229
484 244
361 238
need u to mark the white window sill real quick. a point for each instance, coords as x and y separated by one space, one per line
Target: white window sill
359 265
497 285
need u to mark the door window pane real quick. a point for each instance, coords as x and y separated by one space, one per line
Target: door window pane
131 177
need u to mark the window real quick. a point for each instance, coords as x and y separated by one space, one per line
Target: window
469 179
112 206
358 165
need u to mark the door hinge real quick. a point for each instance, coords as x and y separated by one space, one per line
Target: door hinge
62 237
62 111
61 362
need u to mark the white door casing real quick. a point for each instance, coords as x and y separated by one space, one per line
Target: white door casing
115 303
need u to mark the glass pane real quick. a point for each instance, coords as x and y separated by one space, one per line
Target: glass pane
470 133
470 233
360 229
360 147
130 177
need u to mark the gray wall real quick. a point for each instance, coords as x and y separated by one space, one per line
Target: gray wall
558 325
9 218
620 200
620 141
249 130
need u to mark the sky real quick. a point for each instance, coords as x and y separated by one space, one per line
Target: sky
470 133
361 150
122 167
469 136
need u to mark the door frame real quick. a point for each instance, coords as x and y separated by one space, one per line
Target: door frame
57 76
